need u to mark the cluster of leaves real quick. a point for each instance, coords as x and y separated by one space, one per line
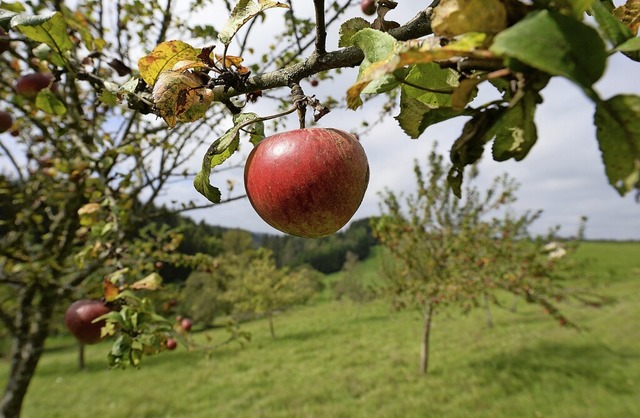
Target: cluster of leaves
490 42
461 252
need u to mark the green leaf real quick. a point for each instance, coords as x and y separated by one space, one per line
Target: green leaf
469 147
378 47
350 28
432 84
244 11
515 132
630 45
108 98
49 103
618 130
563 46
416 116
221 149
50 28
613 29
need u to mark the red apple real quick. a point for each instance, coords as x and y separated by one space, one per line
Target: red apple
79 319
29 85
307 182
171 344
314 82
368 7
6 121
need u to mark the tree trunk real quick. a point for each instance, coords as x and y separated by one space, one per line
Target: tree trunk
514 306
81 363
32 326
271 327
426 333
487 310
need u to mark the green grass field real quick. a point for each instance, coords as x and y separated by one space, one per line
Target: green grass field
339 359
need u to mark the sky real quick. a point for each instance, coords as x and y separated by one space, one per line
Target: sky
563 174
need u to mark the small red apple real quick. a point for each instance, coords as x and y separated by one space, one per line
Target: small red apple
368 7
307 182
171 344
186 324
314 82
79 319
6 121
29 85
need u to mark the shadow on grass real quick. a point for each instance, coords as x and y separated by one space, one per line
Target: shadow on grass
558 362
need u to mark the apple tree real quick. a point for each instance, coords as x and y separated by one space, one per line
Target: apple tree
448 251
257 287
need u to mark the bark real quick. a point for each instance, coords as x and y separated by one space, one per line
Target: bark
426 334
81 363
32 326
487 310
271 327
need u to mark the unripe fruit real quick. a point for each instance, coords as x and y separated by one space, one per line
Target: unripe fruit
29 85
307 182
368 7
79 320
6 121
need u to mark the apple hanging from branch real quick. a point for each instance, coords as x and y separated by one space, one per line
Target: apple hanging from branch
307 182
79 319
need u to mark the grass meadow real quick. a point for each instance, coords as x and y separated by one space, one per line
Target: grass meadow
339 359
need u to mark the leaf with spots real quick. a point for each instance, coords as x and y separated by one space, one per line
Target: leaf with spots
164 57
515 132
179 94
618 130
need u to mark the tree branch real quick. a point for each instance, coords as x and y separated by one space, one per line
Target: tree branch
352 56
321 29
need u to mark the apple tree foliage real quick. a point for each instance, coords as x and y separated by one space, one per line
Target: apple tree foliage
465 252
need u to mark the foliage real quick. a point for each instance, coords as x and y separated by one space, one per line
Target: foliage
351 284
450 251
258 287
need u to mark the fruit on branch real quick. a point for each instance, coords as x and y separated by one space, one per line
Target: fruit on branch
186 324
307 182
29 85
6 121
79 319
171 344
368 7
314 82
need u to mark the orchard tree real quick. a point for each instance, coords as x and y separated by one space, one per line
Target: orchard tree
257 287
86 157
462 252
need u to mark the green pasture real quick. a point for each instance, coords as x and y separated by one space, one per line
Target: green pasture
339 359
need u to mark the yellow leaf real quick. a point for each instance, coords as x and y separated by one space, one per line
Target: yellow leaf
455 17
151 282
164 57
